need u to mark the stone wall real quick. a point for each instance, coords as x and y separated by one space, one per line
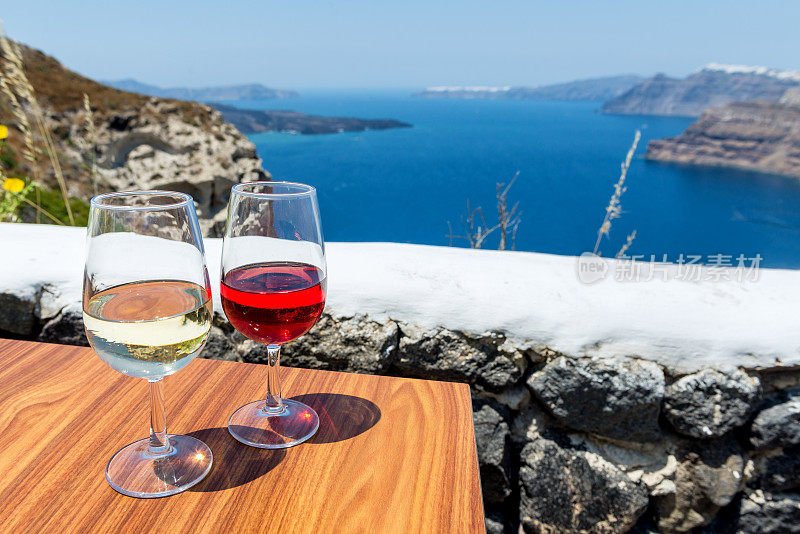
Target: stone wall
565 444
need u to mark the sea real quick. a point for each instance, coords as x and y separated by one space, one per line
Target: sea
413 185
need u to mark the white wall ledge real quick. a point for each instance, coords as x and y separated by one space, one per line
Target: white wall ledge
535 299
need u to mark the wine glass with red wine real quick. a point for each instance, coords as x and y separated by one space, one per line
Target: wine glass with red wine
273 291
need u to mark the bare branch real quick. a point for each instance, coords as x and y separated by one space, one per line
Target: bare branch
508 220
476 228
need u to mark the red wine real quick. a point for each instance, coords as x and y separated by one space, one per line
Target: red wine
273 302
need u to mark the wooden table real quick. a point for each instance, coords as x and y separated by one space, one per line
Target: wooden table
391 454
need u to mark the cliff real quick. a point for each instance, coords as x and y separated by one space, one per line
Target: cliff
597 89
713 86
140 142
252 91
759 136
274 120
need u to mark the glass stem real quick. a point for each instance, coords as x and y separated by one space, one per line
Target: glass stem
274 402
159 442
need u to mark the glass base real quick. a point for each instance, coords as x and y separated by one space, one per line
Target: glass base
254 426
133 471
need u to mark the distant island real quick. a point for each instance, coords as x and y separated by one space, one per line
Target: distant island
253 91
712 86
257 121
594 89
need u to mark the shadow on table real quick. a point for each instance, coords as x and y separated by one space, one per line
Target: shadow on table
341 417
235 464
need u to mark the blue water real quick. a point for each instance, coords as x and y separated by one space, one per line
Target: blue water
404 185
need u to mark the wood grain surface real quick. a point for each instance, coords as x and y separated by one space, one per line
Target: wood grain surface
391 454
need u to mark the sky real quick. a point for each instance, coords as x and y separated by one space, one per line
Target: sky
402 44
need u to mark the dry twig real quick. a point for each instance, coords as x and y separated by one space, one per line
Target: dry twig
627 245
91 138
17 83
508 219
614 208
476 228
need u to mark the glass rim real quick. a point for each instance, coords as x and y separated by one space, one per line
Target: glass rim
305 189
97 201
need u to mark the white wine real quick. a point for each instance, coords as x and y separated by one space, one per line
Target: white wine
148 329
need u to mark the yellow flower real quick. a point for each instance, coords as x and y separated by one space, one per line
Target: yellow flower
3 131
15 185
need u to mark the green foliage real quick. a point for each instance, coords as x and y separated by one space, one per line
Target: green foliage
14 208
7 159
51 200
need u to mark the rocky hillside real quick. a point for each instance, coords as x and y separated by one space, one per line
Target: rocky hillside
140 142
597 89
760 136
713 86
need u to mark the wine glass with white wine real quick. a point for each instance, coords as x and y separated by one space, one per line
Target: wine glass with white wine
147 312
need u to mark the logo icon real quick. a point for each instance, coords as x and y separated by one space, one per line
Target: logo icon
591 268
